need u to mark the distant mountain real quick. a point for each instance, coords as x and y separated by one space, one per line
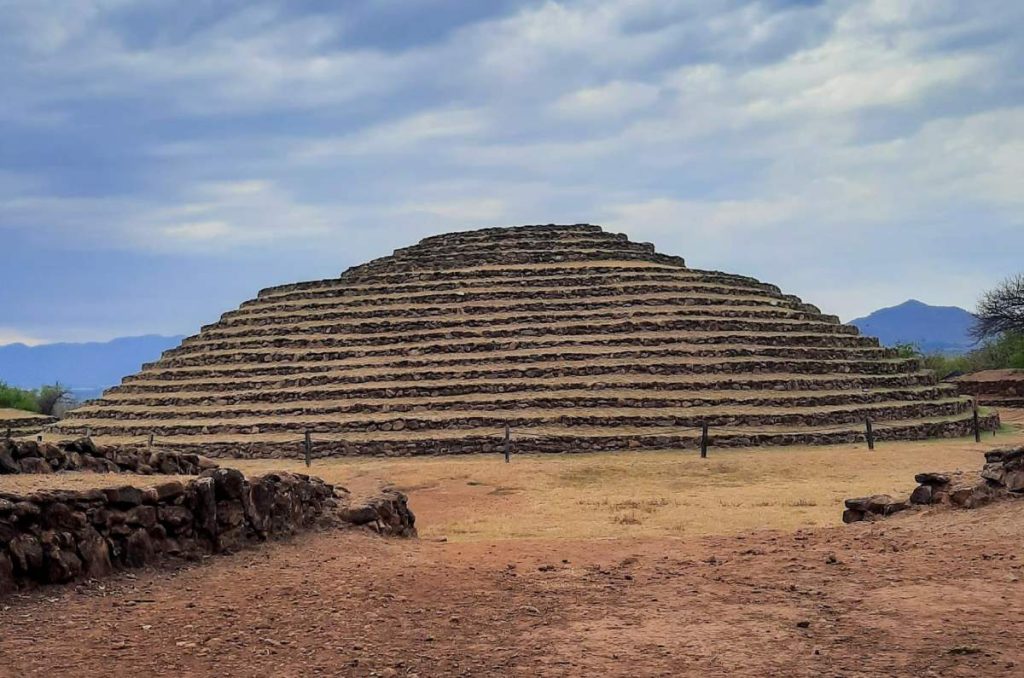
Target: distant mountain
935 329
86 368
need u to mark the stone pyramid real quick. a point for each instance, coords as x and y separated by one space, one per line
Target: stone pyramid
575 338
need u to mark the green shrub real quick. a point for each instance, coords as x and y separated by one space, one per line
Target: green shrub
44 400
1006 351
18 398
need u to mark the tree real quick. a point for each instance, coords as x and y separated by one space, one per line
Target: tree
1001 310
50 397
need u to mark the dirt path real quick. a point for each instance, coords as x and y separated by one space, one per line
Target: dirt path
919 595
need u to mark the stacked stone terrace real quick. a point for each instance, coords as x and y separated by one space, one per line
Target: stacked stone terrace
21 423
576 338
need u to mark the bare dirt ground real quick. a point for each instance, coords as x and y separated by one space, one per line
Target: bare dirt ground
922 595
932 593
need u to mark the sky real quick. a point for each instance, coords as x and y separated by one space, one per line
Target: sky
160 161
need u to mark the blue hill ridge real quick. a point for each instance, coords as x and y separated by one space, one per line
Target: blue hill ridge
934 329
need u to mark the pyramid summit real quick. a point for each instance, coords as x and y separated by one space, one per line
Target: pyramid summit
576 338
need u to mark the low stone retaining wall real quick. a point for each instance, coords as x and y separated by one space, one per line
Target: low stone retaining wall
571 443
28 456
995 388
1002 477
52 537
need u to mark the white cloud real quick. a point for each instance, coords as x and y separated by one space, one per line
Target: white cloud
10 335
858 142
199 230
480 210
611 100
406 135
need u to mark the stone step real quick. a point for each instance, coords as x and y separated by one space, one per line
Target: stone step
423 421
609 307
580 291
287 390
330 404
770 333
516 273
566 417
335 320
528 248
545 276
332 287
253 360
582 342
558 369
330 323
553 440
407 264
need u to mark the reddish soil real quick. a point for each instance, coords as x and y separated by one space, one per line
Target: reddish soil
936 593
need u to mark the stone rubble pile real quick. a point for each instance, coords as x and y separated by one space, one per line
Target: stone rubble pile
58 536
1002 477
29 456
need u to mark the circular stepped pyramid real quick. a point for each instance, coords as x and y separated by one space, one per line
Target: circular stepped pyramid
576 338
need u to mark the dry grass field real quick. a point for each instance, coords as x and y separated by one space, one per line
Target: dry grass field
644 494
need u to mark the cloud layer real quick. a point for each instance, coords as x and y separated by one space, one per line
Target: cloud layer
856 153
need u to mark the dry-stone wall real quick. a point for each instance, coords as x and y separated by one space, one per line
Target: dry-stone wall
29 456
1002 477
999 388
577 338
57 536
16 423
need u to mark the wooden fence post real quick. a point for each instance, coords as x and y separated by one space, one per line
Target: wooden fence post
977 426
704 440
309 449
508 444
870 434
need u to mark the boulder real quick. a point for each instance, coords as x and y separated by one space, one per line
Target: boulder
931 479
26 448
84 446
35 465
922 495
854 516
1013 481
59 516
229 482
8 464
60 558
167 491
177 519
94 552
54 456
230 514
138 548
141 516
858 504
26 554
200 498
124 496
7 581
